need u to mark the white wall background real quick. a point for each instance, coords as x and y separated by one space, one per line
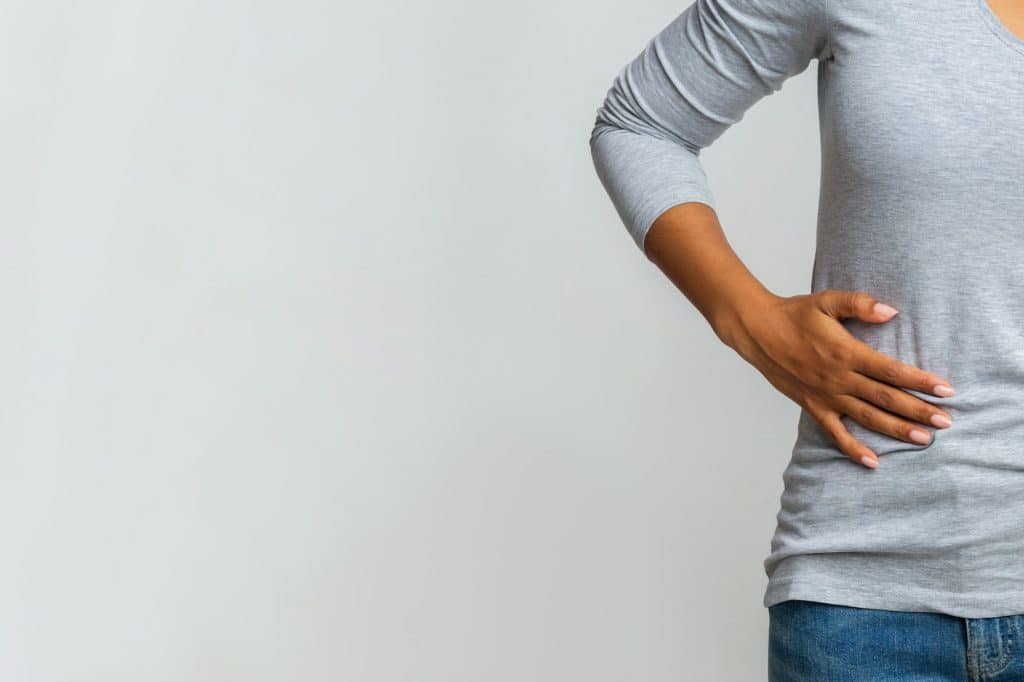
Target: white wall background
325 357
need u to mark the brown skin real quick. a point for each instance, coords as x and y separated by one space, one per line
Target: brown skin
797 342
1011 13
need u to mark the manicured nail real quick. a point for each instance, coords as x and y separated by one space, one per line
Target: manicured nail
883 309
919 436
942 390
942 421
869 461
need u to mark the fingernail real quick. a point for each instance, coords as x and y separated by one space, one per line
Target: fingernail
883 309
919 436
869 461
941 421
942 390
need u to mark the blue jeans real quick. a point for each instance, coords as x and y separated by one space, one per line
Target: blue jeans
811 641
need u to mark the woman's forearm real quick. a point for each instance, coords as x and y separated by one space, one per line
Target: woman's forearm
688 244
798 342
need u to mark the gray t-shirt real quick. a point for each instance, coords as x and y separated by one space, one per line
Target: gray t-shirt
921 109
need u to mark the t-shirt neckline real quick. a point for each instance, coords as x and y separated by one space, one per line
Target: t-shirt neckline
998 27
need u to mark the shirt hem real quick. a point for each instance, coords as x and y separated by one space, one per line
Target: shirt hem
984 605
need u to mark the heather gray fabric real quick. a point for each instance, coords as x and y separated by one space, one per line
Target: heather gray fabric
922 204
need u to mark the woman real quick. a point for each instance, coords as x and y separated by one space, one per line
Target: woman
899 548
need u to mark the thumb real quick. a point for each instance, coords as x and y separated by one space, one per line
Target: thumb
859 304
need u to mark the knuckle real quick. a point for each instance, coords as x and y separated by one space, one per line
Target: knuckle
821 409
824 381
831 384
841 353
884 397
860 298
818 376
891 372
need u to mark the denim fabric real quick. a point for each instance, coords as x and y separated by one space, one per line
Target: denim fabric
812 641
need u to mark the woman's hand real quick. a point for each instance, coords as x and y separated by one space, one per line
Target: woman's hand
800 346
797 343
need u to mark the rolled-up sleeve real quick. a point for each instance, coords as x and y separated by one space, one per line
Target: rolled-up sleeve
691 81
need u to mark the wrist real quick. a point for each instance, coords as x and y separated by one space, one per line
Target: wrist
731 320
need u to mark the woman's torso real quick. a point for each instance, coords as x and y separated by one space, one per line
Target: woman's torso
922 185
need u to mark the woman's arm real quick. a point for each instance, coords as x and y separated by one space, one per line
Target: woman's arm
690 83
688 245
797 342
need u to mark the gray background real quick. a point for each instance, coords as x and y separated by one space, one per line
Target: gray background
325 356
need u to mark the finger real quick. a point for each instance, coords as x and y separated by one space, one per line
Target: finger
844 440
897 401
841 304
871 417
898 373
